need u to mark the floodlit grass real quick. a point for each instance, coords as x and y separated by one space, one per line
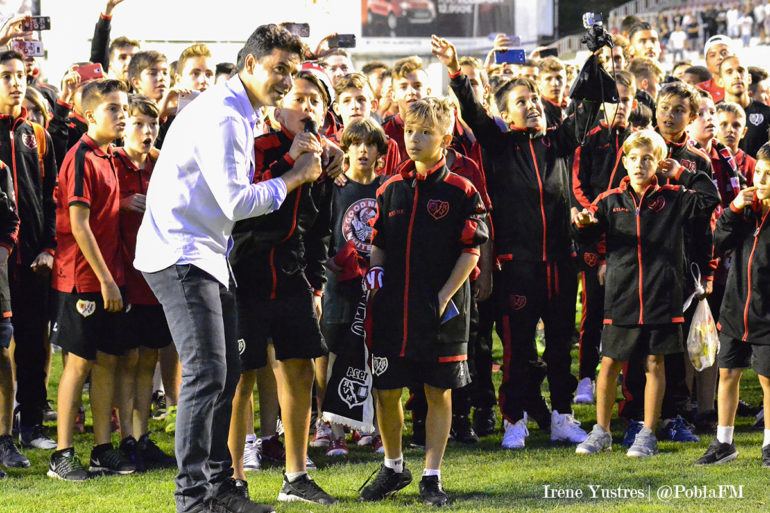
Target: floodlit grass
483 478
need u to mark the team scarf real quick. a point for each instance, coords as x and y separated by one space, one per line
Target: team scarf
348 398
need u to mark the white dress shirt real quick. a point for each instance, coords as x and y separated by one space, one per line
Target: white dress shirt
201 185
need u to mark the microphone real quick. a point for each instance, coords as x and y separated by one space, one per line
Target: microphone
311 127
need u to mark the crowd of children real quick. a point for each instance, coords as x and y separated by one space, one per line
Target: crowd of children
445 215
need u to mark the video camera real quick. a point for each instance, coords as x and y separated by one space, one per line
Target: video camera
596 35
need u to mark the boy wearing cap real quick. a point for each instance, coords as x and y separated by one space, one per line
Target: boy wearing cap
715 51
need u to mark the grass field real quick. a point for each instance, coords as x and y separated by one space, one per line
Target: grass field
484 478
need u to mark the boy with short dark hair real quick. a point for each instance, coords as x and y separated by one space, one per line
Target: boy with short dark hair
148 74
88 274
552 81
421 308
743 321
731 128
639 218
149 333
409 85
115 55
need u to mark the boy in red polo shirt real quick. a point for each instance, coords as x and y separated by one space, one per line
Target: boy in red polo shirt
149 330
88 274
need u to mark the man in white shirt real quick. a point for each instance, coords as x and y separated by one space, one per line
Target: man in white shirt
201 186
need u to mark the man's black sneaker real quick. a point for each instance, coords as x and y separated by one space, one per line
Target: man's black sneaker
718 452
130 449
108 460
242 486
462 431
484 421
387 482
304 489
49 414
230 499
152 455
418 433
431 491
766 456
9 454
66 466
34 437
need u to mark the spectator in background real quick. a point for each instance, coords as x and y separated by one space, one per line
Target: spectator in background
695 75
746 23
677 41
116 55
715 51
759 90
644 42
223 71
336 62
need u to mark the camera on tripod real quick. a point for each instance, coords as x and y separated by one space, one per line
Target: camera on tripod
596 36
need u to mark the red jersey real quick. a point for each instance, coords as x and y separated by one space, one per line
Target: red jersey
746 164
132 181
87 177
394 128
716 92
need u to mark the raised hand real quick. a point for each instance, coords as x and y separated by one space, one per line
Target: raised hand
668 168
445 52
745 198
584 218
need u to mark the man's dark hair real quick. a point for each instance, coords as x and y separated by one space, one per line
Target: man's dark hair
640 116
369 67
224 68
10 55
701 72
94 92
638 28
122 42
267 38
757 76
143 60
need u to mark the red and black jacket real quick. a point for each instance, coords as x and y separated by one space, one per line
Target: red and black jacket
528 182
598 163
291 240
394 128
746 164
645 246
423 224
33 186
745 312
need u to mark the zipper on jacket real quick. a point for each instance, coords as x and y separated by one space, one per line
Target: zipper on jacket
408 257
639 251
748 274
542 208
273 289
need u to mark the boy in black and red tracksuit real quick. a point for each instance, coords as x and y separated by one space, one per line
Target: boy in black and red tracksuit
597 167
425 245
529 188
26 148
410 83
677 107
645 225
9 231
744 319
277 262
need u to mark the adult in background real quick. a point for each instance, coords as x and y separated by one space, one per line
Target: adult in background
200 187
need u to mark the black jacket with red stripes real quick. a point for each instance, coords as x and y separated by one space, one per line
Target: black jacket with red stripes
527 180
66 129
293 239
598 163
745 312
34 187
645 246
423 225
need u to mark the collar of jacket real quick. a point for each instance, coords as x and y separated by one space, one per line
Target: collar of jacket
437 172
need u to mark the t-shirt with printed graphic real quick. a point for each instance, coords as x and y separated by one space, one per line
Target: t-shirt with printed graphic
757 125
353 207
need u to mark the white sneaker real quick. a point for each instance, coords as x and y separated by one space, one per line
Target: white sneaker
251 456
585 392
564 428
515 433
323 434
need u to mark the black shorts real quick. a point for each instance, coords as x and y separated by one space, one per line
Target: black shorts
392 373
736 354
145 326
83 326
291 324
621 342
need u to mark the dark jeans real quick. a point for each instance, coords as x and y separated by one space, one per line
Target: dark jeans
29 299
201 315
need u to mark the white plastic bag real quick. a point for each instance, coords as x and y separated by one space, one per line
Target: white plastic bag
703 339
